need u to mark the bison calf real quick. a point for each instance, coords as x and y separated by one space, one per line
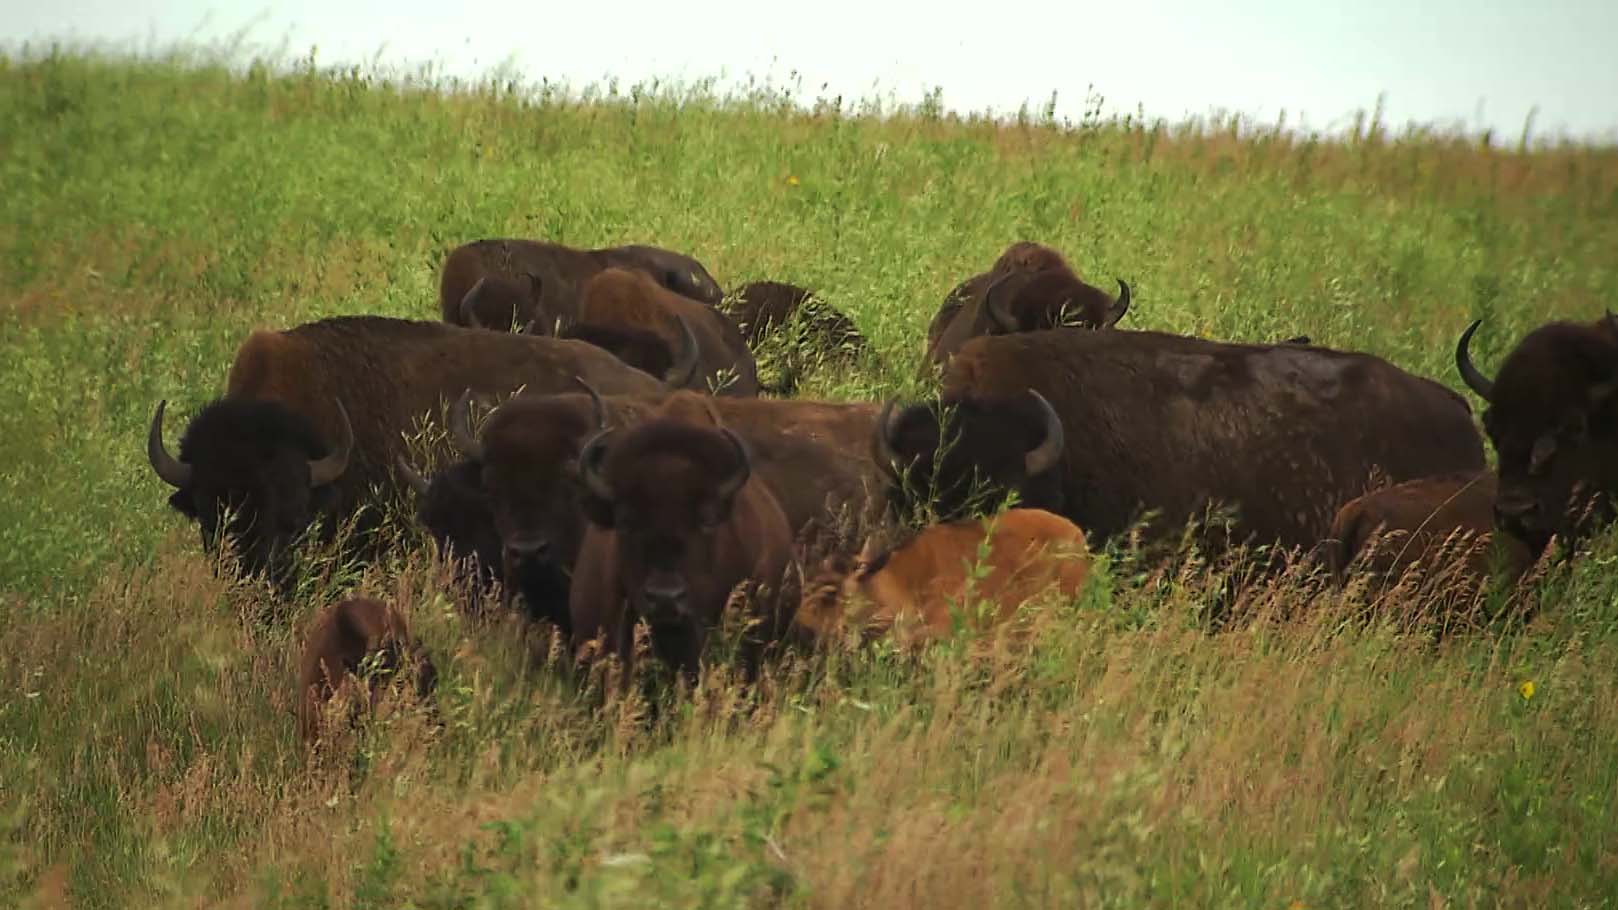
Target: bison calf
1441 524
336 653
677 521
917 589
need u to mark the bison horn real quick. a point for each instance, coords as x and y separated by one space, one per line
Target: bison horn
1119 306
997 312
415 480
887 458
460 428
1042 458
469 312
590 466
1475 380
325 470
174 472
684 369
744 467
598 408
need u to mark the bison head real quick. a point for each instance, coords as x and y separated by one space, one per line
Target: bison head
1553 421
501 304
989 445
528 464
253 474
1032 301
665 488
457 515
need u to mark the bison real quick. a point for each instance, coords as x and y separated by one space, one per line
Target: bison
350 638
1441 524
930 580
677 520
455 512
621 299
1104 427
508 282
808 329
1030 288
1552 417
314 418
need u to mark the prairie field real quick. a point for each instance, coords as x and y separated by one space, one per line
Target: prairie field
1321 752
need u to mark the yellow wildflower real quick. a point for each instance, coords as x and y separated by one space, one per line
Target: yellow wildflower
1526 689
792 180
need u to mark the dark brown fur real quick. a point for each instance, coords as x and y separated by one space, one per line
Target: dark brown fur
643 349
338 643
1162 422
630 300
660 522
541 283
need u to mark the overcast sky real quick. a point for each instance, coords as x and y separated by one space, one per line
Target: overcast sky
1482 63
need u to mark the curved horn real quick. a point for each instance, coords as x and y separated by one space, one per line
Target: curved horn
744 469
460 428
325 470
887 457
415 480
469 313
590 466
174 472
1042 458
684 369
598 408
997 313
1119 306
1475 380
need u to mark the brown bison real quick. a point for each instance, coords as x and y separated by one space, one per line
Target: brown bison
621 299
1553 420
1104 427
1442 524
677 521
1030 288
314 419
805 329
455 512
929 582
352 638
507 282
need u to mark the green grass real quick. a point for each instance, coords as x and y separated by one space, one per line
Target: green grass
154 212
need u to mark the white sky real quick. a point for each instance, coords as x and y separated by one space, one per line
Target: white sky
1483 63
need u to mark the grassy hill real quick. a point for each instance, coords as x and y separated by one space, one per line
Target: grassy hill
155 212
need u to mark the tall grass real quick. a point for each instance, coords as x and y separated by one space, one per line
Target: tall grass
155 211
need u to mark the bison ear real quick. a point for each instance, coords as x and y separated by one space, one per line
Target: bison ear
180 501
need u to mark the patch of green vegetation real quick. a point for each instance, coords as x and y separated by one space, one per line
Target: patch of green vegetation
156 211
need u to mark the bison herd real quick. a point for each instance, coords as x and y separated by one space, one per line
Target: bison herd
630 472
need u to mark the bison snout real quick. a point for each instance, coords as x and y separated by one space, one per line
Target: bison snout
664 601
1516 512
523 548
